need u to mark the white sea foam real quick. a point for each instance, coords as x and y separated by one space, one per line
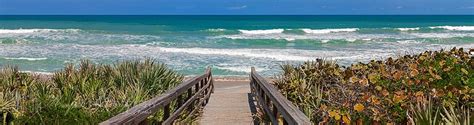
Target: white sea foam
441 35
270 31
408 29
18 31
25 31
186 59
245 69
351 40
252 53
25 58
289 39
216 30
74 36
38 73
408 41
348 37
458 28
323 31
293 37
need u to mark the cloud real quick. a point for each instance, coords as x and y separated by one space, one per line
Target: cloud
237 7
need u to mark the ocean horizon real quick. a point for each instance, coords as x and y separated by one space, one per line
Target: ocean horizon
230 44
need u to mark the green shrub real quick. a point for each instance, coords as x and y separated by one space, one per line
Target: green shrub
14 89
379 91
87 94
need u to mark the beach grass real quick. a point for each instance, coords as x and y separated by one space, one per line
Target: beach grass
433 87
87 93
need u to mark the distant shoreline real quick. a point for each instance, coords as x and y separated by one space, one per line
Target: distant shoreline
47 75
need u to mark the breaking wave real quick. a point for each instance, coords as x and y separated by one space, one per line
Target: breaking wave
216 30
458 28
408 29
26 31
71 36
25 58
408 41
346 37
322 31
270 31
276 54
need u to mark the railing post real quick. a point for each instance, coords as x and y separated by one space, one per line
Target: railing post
212 83
179 101
196 88
144 122
274 104
276 114
201 83
166 112
205 90
184 96
190 93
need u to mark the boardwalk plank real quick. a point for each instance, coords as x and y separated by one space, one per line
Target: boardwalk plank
229 105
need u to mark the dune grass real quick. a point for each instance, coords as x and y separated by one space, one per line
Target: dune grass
84 94
434 87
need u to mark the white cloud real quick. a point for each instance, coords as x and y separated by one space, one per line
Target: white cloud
237 7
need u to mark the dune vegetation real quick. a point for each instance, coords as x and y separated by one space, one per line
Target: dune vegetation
81 94
434 87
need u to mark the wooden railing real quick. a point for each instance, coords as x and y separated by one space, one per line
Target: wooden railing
274 104
190 95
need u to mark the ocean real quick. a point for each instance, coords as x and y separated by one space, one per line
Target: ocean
230 44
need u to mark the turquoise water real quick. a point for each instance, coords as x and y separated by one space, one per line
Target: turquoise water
230 44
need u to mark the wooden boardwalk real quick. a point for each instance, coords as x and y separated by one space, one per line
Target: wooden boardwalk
232 103
229 104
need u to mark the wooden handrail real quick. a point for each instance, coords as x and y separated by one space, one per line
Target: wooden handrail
274 104
190 95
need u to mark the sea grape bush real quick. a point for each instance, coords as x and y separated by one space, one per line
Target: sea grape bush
389 91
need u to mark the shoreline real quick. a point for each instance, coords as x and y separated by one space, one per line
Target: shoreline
47 75
225 78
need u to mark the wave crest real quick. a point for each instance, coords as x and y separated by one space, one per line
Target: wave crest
408 29
216 30
323 31
252 53
408 42
270 31
459 28
25 58
25 31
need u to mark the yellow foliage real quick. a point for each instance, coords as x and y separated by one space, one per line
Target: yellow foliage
346 119
364 82
332 113
335 114
337 117
378 88
414 72
464 71
373 77
359 107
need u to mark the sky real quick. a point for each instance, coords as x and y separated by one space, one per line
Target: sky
236 7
